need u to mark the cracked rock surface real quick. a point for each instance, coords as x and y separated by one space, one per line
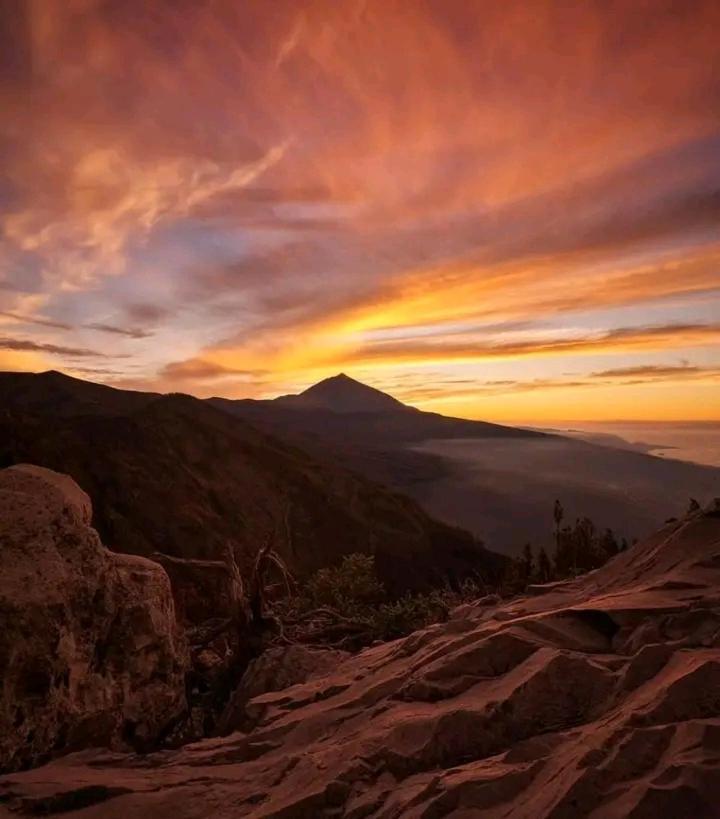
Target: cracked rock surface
598 697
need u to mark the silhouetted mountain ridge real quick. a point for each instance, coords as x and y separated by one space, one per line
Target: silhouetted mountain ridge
340 393
341 409
172 473
497 481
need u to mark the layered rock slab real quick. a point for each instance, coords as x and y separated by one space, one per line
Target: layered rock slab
594 698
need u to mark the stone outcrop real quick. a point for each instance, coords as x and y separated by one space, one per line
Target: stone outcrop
596 698
89 648
275 669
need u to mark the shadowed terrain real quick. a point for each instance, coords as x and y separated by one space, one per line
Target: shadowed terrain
629 492
497 481
596 697
176 475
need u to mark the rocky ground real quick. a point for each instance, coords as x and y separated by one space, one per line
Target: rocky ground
593 698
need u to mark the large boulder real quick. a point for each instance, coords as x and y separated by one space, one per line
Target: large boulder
90 652
275 669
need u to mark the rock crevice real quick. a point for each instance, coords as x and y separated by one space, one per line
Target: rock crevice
598 698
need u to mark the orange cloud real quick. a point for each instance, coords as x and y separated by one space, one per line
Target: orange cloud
280 188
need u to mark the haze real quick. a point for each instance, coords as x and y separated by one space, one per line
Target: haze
502 211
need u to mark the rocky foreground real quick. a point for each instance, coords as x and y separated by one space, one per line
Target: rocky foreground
90 650
593 698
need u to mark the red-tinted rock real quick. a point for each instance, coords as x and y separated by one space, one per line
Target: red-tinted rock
596 699
89 648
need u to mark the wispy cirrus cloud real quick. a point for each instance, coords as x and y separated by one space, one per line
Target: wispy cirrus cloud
275 190
617 340
25 345
653 371
615 378
130 332
57 325
198 369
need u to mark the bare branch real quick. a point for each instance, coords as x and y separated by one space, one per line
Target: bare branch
190 563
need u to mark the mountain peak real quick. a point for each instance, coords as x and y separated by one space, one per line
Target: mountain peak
341 393
340 378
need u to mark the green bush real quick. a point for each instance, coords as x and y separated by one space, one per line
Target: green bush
349 587
350 593
408 614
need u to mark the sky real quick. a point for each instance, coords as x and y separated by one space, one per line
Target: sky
503 210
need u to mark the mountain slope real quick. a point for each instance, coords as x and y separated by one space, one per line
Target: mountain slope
499 482
174 474
594 698
341 408
61 395
343 394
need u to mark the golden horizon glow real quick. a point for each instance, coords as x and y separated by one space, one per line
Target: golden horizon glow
502 211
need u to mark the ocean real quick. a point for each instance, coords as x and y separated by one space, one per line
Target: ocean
696 441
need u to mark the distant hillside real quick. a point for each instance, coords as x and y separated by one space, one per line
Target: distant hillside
499 482
58 394
344 410
174 474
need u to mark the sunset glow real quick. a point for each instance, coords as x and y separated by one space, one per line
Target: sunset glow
496 210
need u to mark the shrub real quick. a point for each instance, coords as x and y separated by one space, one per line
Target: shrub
348 605
408 614
349 587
